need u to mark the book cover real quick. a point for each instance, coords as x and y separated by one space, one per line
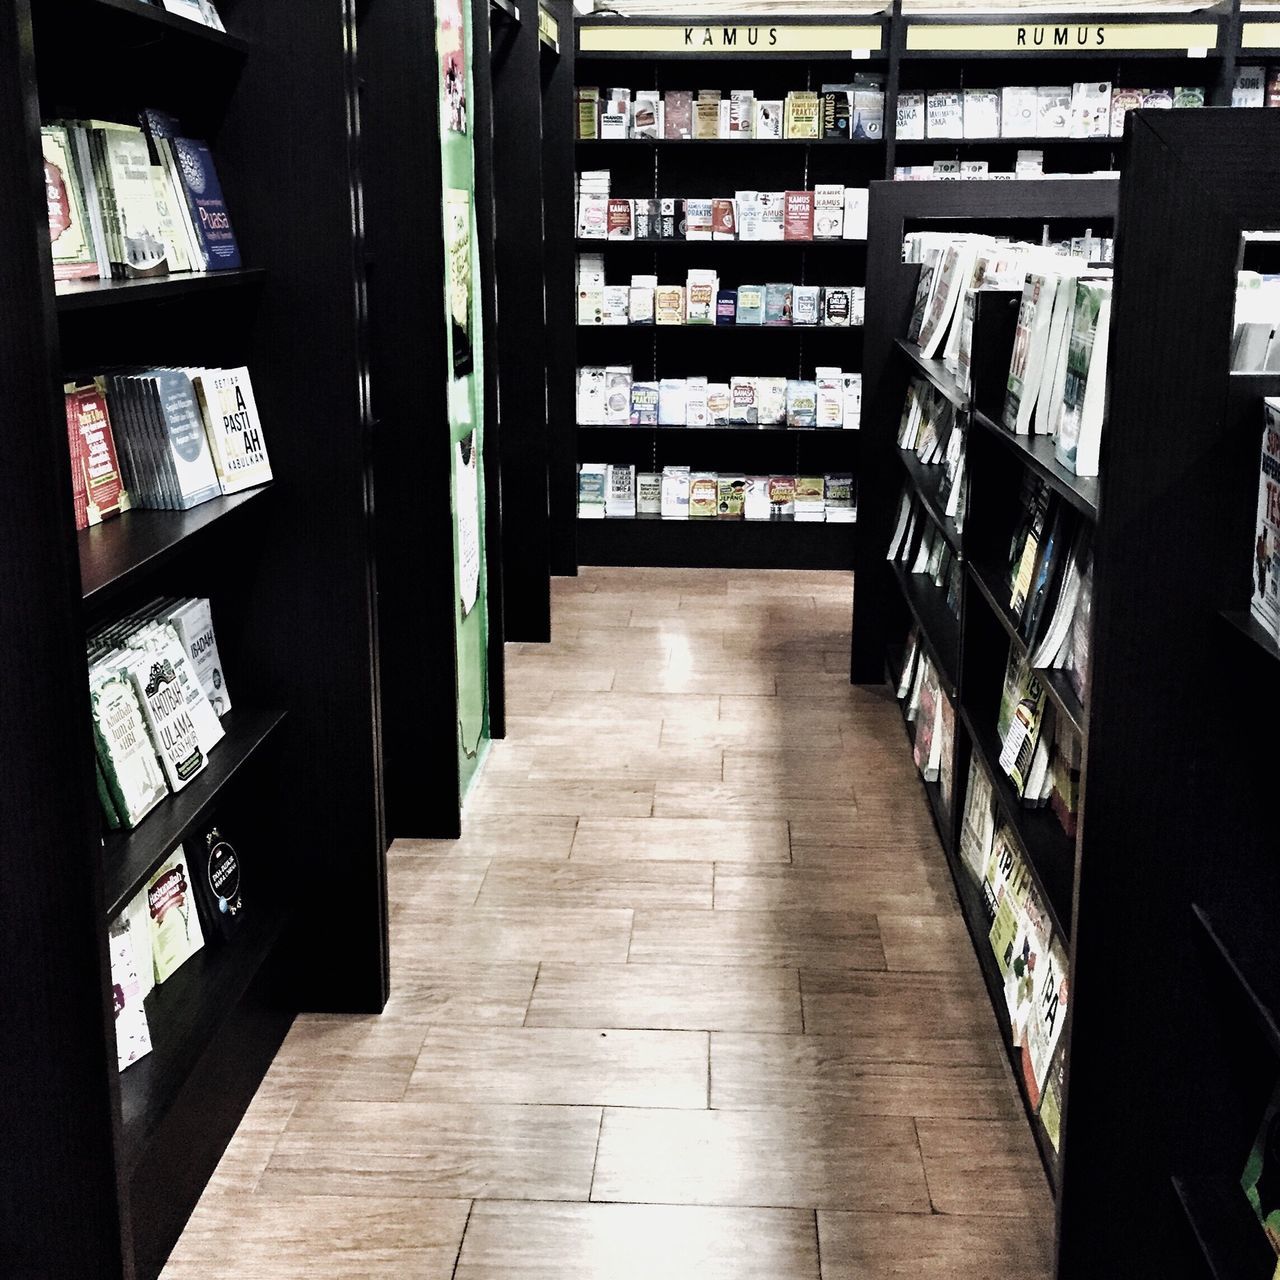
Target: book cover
782 497
837 114
1053 111
671 402
670 223
857 205
828 211
644 114
1078 439
675 493
867 102
805 303
829 399
1019 111
644 404
205 202
615 304
767 118
1045 1020
168 718
619 220
648 493
802 403
741 112
175 922
981 113
802 115
703 494
750 304
726 306
841 498
771 401
620 490
700 294
724 224
1091 109
133 774
1250 87
617 395
193 622
777 303
697 219
797 221
613 124
96 466
719 404
1273 87
591 491
835 306
944 114
1030 345
1122 102
137 245
810 497
730 496
755 498
697 413
184 439
772 205
233 428
133 1036
706 114
677 113
216 872
1185 96
910 115
640 304
71 240
1265 603
590 399
669 304
1157 100
587 114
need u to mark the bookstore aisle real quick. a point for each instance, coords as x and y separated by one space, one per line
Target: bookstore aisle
691 998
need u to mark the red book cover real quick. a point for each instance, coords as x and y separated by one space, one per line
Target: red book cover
619 224
797 215
723 224
78 499
99 467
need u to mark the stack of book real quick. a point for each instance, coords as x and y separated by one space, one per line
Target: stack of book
827 212
922 549
617 491
930 716
1265 604
167 439
131 202
609 395
837 111
933 430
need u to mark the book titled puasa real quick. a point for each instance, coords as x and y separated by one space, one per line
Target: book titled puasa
234 428
203 192
173 915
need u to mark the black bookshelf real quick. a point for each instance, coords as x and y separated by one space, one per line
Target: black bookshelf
289 569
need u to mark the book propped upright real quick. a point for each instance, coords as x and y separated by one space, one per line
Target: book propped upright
194 167
233 428
1265 604
1078 438
175 921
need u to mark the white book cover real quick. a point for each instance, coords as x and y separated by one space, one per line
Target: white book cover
830 398
772 213
982 113
1266 550
747 208
640 303
164 708
828 211
767 118
649 493
675 493
1045 1020
701 287
857 204
1250 88
617 395
1053 111
133 1036
593 217
171 907
910 116
591 396
671 402
771 401
619 490
1091 109
193 622
1030 342
741 107
695 404
615 304
944 114
233 428
139 922
1078 441
851 390
644 114
161 638
1019 111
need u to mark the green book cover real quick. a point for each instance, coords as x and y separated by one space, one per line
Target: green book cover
1261 1177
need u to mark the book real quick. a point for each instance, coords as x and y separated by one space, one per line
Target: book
96 478
697 413
615 303
619 220
640 302
1250 87
677 114
802 115
829 398
730 496
216 875
777 303
134 239
133 1036
978 827
1122 102
1258 1181
703 495
617 395
841 498
233 428
741 112
811 498
726 306
700 296
743 410
867 99
805 303
706 114
669 302
836 112
944 114
772 207
750 304
1036 502
719 404
591 491
192 620
771 401
1091 109
835 306
767 118
587 113
910 115
194 166
1053 111
70 236
1265 603
671 402
644 114
620 490
1030 343
648 493
798 216
644 404
782 497
755 498
857 205
828 211
132 773
1045 1020
724 225
697 219
590 398
802 403
1019 111
981 113
1079 434
175 922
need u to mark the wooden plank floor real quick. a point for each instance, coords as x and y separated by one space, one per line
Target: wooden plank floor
690 999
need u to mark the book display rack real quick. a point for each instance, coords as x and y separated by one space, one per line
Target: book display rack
1167 1069
289 570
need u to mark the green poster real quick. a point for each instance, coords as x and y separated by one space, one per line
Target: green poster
466 390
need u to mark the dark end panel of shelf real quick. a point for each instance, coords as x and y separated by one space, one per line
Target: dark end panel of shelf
184 1015
935 372
717 544
1242 941
1248 626
129 857
1048 849
1036 453
926 482
1223 1223
117 552
939 627
1057 684
81 295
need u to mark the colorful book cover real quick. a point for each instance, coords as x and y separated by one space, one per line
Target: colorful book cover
175 920
95 458
205 202
70 238
797 217
777 303
133 775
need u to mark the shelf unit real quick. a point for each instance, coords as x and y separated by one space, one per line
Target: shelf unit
969 650
1169 1066
295 783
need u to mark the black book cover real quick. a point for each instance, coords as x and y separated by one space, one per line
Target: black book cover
216 873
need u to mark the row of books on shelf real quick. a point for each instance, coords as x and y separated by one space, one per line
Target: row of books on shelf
126 201
616 490
1265 603
1058 363
1031 958
610 395
157 696
702 301
193 896
828 211
1086 109
852 110
1026 164
920 548
933 430
162 438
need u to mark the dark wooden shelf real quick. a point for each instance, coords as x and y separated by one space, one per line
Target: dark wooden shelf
1248 626
939 627
713 544
732 142
80 295
935 372
1253 386
734 428
117 552
1036 453
1048 850
506 10
1242 941
1056 683
671 241
185 1013
1229 1235
927 482
146 17
129 857
800 329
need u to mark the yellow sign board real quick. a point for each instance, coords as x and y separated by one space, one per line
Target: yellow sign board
715 38
1260 35
1059 37
548 27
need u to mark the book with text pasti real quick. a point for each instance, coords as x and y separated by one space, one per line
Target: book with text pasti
175 921
208 209
233 428
1266 547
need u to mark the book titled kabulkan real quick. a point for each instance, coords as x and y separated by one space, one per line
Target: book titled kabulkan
233 428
